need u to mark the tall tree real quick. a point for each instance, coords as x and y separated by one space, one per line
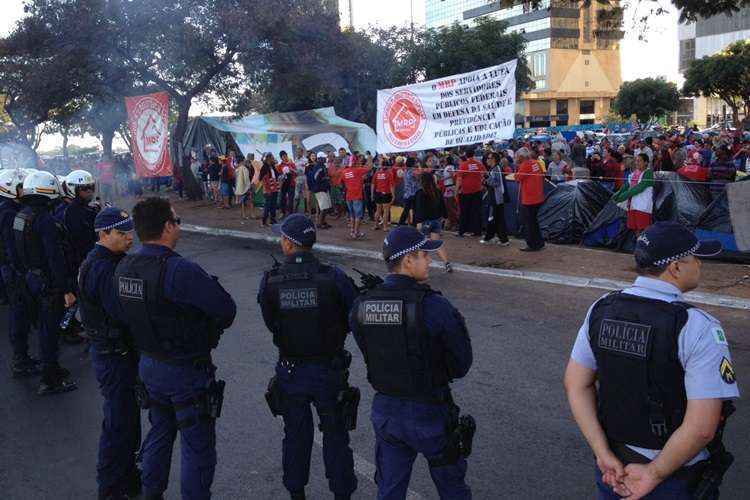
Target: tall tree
647 99
725 75
184 47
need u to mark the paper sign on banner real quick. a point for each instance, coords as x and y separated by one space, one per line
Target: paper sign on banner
148 121
452 111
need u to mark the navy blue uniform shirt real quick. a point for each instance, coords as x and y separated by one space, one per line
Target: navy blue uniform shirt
8 211
99 286
344 284
186 283
442 322
79 221
56 265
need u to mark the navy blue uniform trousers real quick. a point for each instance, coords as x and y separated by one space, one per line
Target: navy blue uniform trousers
404 428
18 320
51 310
303 384
169 384
121 426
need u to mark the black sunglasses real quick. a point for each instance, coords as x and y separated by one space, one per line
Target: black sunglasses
176 220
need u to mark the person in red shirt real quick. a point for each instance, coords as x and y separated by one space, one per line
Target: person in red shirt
383 186
531 183
354 178
469 186
287 182
269 176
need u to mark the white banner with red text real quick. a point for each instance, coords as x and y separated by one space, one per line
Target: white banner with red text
456 110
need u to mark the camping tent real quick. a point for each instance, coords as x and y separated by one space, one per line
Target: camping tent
716 224
570 209
311 130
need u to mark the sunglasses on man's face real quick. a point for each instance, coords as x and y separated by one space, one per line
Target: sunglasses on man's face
176 220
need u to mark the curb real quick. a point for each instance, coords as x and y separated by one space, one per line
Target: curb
555 279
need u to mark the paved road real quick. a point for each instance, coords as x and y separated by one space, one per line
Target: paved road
527 445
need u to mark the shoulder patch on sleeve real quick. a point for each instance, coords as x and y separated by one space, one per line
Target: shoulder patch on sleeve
727 371
719 335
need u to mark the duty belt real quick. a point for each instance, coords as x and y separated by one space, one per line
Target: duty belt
200 362
629 456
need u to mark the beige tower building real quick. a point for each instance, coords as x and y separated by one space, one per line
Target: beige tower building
573 54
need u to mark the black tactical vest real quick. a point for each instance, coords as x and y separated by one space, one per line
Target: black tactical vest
641 396
28 243
98 324
311 321
159 327
401 359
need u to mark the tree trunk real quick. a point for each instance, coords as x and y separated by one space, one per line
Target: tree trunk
192 187
66 155
107 138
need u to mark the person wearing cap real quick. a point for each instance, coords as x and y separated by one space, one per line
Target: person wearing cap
414 343
113 356
649 373
176 313
19 326
305 304
41 256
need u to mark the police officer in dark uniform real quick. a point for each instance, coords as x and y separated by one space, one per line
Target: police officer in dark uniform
79 215
664 374
11 184
414 343
176 313
305 304
113 356
40 256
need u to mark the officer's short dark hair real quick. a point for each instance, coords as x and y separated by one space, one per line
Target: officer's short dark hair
150 216
392 265
643 265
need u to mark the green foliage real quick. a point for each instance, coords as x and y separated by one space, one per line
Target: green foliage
647 99
725 75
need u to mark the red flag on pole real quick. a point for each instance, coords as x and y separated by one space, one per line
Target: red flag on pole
148 121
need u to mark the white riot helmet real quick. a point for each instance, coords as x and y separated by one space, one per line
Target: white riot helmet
10 179
64 189
42 184
78 178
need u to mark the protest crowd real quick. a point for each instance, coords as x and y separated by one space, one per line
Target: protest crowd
463 190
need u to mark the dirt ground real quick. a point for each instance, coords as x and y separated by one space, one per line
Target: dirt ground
718 277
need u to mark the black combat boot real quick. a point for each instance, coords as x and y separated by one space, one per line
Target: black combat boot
55 381
298 495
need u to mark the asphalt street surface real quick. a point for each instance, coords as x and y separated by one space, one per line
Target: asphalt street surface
527 445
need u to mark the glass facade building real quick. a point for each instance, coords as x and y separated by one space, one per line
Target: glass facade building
565 43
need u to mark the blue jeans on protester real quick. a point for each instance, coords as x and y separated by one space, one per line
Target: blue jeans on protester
319 384
121 427
167 385
404 428
269 207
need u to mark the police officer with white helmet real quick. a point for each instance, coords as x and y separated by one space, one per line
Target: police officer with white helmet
80 215
39 256
650 379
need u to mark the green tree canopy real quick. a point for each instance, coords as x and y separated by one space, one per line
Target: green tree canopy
725 75
647 99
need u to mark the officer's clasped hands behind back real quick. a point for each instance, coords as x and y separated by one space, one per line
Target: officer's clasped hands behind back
305 304
665 378
176 313
414 343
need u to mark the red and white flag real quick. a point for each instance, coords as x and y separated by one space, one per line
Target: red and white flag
148 121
